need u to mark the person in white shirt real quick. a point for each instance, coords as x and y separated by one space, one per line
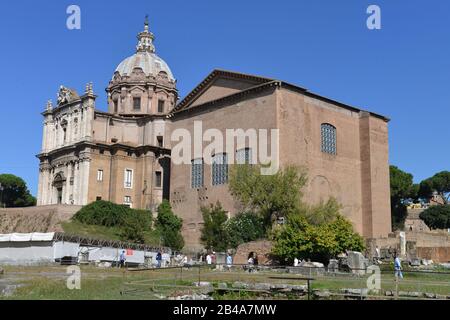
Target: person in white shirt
295 262
208 259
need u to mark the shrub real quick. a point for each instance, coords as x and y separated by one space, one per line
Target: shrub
213 234
102 213
132 223
169 226
244 227
300 239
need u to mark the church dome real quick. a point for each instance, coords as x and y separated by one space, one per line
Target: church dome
145 57
149 62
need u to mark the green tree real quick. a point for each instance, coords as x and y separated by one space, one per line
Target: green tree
213 234
300 239
437 217
244 227
169 226
439 183
14 192
322 213
133 229
268 195
402 188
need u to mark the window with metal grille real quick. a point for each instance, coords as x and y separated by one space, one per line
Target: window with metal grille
197 173
328 138
220 169
244 156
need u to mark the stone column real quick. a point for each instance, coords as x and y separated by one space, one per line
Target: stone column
76 183
67 186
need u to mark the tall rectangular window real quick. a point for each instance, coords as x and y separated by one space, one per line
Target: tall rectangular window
99 175
158 179
160 106
244 156
160 140
220 169
137 103
116 106
197 173
128 181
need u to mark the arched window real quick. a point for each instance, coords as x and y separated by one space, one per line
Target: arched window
220 169
328 138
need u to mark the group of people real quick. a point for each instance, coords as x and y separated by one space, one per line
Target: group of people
123 259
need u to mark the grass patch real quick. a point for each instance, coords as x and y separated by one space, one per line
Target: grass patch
49 282
151 237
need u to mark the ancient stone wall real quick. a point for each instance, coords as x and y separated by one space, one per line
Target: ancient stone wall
35 219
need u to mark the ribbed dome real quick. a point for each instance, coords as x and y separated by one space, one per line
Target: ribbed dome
149 62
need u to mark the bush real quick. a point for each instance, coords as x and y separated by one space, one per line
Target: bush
133 223
324 212
437 217
169 226
244 227
213 234
300 239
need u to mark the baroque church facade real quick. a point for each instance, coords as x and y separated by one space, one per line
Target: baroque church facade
125 156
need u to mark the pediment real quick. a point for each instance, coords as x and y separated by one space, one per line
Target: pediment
219 84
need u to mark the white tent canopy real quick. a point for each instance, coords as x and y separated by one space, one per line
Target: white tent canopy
25 237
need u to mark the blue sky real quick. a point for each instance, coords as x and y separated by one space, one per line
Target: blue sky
401 71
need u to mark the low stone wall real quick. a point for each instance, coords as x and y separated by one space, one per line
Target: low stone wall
35 219
433 245
439 254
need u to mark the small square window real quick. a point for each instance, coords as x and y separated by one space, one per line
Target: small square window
127 201
136 103
98 199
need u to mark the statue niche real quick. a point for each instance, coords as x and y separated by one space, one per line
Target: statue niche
58 184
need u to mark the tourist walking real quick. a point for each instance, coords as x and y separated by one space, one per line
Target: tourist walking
398 267
158 259
122 259
229 261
